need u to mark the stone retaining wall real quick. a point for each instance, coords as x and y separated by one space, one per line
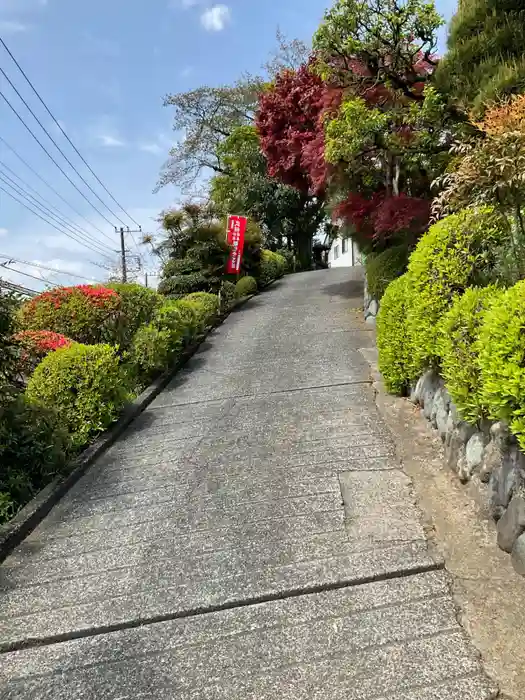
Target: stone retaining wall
487 453
370 306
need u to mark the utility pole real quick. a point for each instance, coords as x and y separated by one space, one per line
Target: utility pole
122 231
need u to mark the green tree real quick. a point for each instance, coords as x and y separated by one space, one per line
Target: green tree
485 59
284 213
206 116
196 250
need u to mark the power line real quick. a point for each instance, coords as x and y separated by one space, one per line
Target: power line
48 212
51 206
2 140
13 86
66 136
10 260
51 157
93 245
10 286
26 274
50 223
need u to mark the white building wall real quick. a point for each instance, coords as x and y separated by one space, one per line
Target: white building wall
344 253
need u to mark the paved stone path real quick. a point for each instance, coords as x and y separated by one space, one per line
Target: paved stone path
251 537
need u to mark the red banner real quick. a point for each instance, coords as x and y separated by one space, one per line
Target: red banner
236 231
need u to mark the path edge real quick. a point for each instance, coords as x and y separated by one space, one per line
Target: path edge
32 514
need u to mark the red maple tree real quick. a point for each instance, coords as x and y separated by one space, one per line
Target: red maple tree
290 126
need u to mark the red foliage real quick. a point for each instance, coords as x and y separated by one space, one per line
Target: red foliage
381 216
42 342
289 122
97 295
401 214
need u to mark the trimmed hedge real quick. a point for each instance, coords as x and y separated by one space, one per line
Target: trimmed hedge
227 295
154 349
502 360
382 268
459 349
87 386
455 253
137 307
206 305
33 450
393 349
156 346
273 266
245 286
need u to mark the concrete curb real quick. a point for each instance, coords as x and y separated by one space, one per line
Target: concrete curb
25 521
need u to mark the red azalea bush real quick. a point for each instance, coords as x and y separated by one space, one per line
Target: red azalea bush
37 344
85 313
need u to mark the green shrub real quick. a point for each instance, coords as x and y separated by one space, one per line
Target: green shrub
86 386
289 258
273 266
33 450
455 253
394 351
227 295
154 350
245 286
189 314
502 360
86 313
382 268
156 346
459 349
206 305
137 307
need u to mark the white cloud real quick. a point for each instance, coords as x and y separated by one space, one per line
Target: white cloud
104 131
215 18
3 232
184 4
12 26
186 72
110 141
150 148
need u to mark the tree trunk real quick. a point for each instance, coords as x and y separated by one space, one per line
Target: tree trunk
397 174
303 248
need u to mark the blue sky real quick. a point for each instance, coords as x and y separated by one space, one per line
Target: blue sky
103 67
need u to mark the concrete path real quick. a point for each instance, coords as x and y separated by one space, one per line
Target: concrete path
251 537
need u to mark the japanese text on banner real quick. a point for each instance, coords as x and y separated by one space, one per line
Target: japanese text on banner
236 231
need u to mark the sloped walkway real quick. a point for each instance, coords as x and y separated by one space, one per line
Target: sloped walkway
251 537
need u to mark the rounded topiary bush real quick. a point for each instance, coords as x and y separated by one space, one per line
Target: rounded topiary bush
272 267
157 345
86 313
382 268
455 253
459 349
85 385
245 286
137 307
502 360
227 295
392 345
206 306
154 350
